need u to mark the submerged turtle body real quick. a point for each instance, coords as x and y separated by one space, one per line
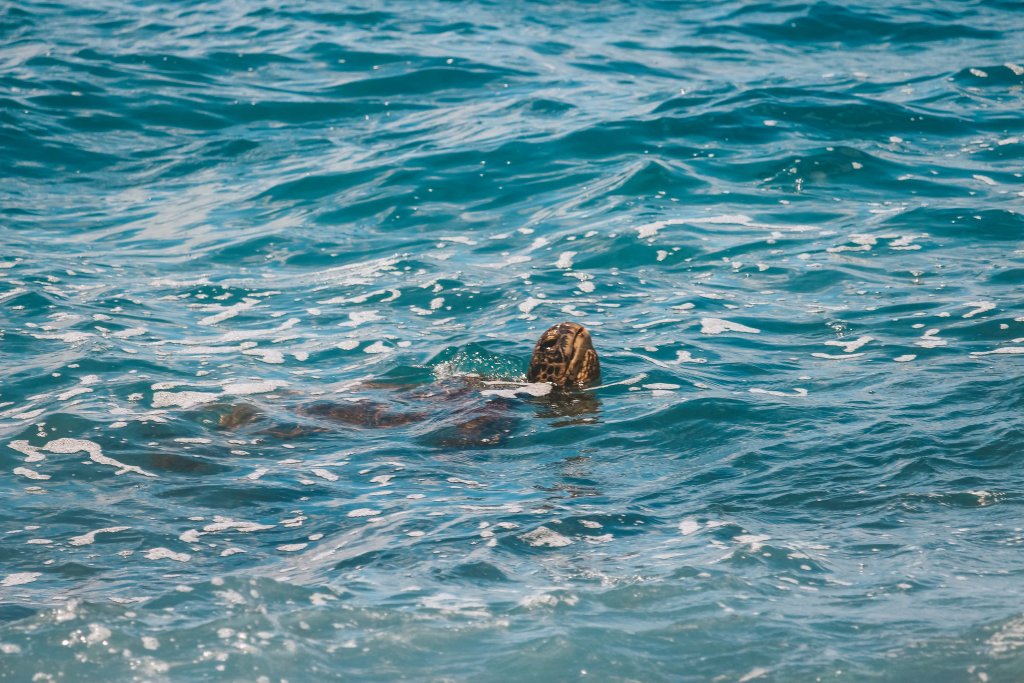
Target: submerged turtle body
564 357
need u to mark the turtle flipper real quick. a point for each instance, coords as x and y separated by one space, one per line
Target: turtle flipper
369 414
488 427
293 431
239 415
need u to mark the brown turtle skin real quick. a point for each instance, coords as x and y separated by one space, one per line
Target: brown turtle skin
565 356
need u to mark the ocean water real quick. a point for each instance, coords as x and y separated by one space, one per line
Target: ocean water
260 261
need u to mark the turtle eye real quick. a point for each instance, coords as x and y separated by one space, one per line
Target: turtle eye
548 343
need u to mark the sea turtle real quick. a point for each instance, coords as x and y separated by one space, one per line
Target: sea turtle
565 357
449 412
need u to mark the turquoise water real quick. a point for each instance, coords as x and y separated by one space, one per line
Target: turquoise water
253 254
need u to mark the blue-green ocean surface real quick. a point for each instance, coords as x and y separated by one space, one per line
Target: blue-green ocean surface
259 260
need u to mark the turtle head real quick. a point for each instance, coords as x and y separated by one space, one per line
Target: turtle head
564 356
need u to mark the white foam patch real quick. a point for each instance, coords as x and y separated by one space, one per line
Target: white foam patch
239 335
20 578
652 323
627 382
200 350
355 274
250 388
191 399
906 242
272 356
32 453
225 312
742 220
527 306
565 260
98 634
687 357
538 243
930 339
24 415
850 346
545 537
1004 349
183 399
71 393
325 474
10 294
530 389
688 526
179 284
545 599
30 473
830 356
798 392
755 541
292 547
364 512
462 605
348 344
68 446
662 386
459 239
756 672
190 536
130 332
863 242
376 347
718 326
257 474
979 307
1008 638
166 554
357 318
226 523
905 358
90 537
67 337
161 386
649 230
